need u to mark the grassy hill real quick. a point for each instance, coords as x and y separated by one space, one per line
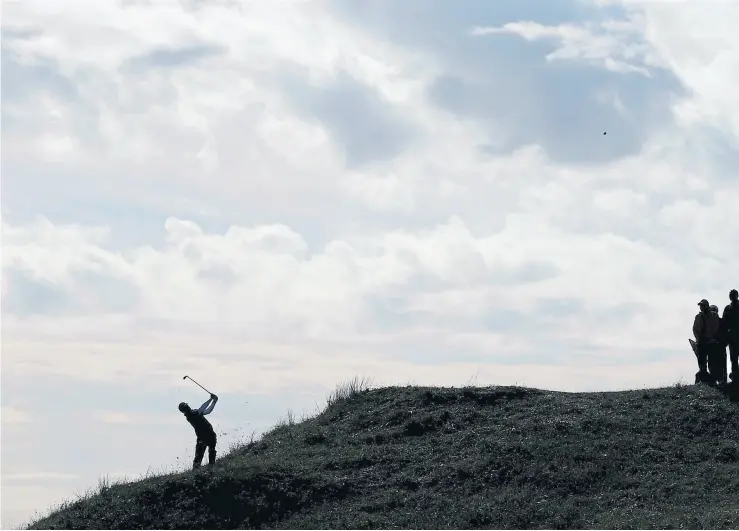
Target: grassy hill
499 457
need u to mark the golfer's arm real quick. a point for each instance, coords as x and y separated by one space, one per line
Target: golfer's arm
212 405
203 410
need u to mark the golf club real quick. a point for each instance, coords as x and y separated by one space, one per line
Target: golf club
196 383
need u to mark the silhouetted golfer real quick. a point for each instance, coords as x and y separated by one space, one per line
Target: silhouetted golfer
206 437
730 326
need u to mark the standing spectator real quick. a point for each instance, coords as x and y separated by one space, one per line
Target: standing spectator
730 329
706 331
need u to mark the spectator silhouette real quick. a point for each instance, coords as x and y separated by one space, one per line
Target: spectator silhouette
730 332
706 329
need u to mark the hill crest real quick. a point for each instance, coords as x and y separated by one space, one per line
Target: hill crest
502 457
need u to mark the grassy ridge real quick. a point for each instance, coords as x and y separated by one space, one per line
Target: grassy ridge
501 457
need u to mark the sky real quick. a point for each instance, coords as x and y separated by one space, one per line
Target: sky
275 197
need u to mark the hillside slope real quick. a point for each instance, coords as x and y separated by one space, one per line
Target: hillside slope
496 457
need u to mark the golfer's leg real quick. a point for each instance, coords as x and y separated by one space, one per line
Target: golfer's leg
199 453
212 451
211 454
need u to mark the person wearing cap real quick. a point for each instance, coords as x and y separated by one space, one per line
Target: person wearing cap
730 328
204 433
706 328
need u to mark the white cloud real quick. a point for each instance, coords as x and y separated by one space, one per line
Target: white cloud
270 196
701 48
14 415
482 229
267 284
611 44
384 194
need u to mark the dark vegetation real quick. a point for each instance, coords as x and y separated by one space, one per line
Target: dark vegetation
497 457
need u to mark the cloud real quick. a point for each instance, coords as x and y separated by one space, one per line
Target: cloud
175 57
368 128
607 46
270 281
13 415
365 185
492 76
277 197
268 285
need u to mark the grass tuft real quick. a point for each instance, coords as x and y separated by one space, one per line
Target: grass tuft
348 390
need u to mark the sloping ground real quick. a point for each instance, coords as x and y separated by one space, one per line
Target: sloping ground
459 458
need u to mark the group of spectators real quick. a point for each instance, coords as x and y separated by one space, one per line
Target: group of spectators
713 333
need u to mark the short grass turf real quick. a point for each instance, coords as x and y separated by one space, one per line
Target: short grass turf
496 457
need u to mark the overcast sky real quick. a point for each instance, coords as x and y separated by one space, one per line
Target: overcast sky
274 197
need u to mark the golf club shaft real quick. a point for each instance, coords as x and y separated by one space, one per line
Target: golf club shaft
201 387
